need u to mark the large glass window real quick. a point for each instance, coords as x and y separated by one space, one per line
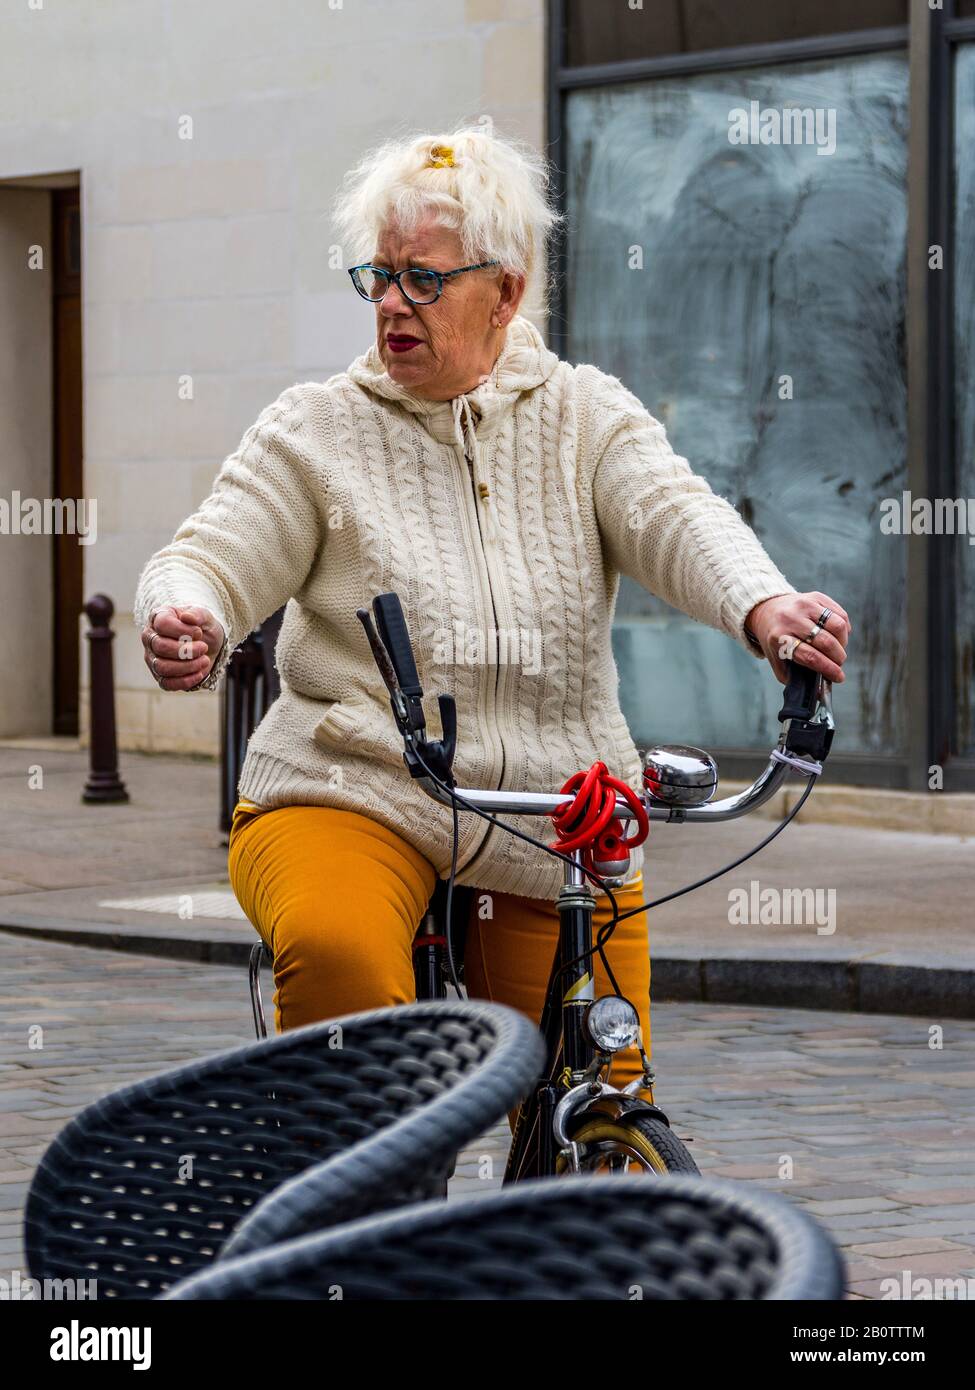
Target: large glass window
753 296
611 31
964 295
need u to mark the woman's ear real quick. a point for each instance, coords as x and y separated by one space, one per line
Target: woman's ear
511 293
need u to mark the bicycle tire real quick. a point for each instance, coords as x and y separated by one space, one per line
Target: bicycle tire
655 1147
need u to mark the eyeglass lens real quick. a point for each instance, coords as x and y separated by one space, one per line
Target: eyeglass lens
418 285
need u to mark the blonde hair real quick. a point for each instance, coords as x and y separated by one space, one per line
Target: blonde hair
491 190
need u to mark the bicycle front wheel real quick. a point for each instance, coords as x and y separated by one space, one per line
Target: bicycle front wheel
634 1144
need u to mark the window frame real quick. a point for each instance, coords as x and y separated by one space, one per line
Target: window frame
929 39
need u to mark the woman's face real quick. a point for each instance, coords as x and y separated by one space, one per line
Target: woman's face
443 349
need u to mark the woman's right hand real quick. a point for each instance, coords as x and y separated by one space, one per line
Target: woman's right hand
180 646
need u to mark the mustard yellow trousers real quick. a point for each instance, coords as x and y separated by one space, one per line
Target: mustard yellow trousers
337 898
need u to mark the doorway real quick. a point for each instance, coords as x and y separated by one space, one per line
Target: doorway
68 482
41 571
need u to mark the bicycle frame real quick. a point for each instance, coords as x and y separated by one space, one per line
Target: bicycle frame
569 1050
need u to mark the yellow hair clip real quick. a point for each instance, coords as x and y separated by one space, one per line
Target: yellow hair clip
441 157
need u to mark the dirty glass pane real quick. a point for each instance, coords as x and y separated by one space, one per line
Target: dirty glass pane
964 292
769 271
608 31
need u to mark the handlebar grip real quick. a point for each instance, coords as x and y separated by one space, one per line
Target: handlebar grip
396 639
799 700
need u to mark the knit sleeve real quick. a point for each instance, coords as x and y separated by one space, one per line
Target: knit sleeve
663 526
250 545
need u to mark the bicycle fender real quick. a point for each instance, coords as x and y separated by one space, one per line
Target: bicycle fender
614 1106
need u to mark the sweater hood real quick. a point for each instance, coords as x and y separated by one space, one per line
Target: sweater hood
523 364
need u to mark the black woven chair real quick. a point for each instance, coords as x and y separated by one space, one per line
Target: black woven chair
116 1200
568 1238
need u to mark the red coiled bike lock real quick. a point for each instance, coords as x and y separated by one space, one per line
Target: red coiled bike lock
587 822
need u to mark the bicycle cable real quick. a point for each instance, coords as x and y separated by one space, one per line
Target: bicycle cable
605 932
689 888
460 801
451 964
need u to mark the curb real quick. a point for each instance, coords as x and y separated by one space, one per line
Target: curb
837 804
846 986
109 937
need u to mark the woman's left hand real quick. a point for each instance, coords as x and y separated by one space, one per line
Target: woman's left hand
783 627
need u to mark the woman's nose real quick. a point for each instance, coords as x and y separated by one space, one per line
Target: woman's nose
394 302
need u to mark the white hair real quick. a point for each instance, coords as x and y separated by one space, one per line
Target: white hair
493 191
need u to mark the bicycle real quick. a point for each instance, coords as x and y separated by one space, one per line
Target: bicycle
574 1121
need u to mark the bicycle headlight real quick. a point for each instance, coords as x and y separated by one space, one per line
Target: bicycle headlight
612 1023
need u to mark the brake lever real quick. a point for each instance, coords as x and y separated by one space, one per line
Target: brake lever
378 650
810 735
824 709
437 754
385 669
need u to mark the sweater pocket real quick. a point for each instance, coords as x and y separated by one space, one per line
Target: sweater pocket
362 729
338 724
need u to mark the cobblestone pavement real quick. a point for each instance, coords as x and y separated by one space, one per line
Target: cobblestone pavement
876 1124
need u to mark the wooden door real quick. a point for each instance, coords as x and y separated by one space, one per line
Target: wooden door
68 470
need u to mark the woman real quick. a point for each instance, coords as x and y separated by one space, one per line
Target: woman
500 492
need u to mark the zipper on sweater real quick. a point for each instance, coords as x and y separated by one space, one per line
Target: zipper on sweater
475 540
501 617
481 498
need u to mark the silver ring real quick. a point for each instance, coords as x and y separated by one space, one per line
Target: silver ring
152 638
152 667
824 617
814 634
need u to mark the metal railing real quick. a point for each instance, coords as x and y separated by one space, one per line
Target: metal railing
250 688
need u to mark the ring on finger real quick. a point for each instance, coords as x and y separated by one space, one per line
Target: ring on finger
152 667
814 634
824 617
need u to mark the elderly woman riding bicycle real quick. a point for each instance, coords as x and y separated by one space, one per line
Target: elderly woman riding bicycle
501 493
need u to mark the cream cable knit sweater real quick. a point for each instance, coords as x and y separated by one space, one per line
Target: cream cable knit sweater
503 520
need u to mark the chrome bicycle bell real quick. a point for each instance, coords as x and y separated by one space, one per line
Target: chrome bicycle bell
675 774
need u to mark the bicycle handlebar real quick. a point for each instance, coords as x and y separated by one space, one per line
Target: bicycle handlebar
543 803
803 744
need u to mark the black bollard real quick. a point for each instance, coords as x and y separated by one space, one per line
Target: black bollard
104 782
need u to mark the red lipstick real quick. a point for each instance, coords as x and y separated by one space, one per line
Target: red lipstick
401 342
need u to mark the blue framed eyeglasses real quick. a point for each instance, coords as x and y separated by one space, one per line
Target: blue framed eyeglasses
418 286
